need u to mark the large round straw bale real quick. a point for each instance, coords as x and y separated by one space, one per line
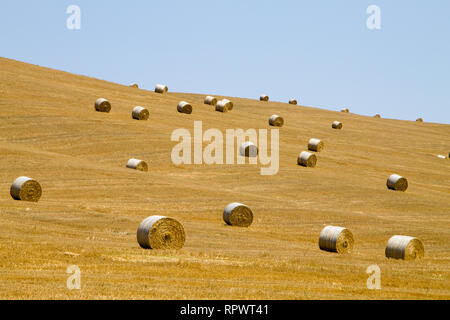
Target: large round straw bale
276 121
315 145
134 85
345 110
336 239
377 115
292 101
137 164
238 214
184 107
210 100
307 159
248 149
160 88
26 189
419 120
396 182
264 97
140 113
336 125
404 247
102 105
224 105
159 232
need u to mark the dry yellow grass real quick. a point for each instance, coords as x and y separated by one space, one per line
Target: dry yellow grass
91 204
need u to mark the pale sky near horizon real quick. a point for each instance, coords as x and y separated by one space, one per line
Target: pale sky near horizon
320 52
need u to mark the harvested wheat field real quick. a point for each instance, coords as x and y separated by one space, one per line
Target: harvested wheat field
92 205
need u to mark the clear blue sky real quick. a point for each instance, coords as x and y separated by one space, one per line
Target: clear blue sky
320 52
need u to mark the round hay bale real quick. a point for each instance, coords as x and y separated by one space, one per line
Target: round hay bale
102 105
184 107
336 239
160 88
307 159
264 97
404 247
140 113
396 182
238 214
26 189
377 116
315 145
276 121
159 232
134 85
224 105
345 110
248 149
292 101
336 125
210 100
419 120
137 164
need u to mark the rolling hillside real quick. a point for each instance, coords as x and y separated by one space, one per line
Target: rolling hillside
92 204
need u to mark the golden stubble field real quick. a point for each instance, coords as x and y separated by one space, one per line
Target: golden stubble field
92 205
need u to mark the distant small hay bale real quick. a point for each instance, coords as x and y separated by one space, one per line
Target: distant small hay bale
336 125
307 159
210 100
26 189
276 121
134 85
224 105
292 101
405 248
238 214
315 145
102 105
184 107
345 110
248 149
396 182
160 88
140 113
377 116
137 164
336 239
419 120
264 97
159 232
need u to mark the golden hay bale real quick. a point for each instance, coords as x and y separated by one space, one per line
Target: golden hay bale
264 97
336 125
137 164
377 116
336 239
248 149
160 88
404 247
159 232
292 101
210 100
238 214
307 159
140 113
315 145
276 121
26 189
184 107
396 182
419 120
345 110
102 105
224 105
134 85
